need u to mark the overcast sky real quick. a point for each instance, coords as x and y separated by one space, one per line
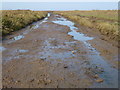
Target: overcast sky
60 5
60 0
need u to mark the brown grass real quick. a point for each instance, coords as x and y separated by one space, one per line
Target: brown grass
13 20
106 21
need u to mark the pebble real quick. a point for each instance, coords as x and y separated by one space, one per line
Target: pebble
48 81
36 40
99 80
9 81
62 78
65 66
73 52
17 81
43 59
39 81
96 76
32 80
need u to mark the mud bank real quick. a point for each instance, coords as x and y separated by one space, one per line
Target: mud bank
55 55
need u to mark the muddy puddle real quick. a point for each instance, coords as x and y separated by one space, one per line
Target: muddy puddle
71 52
18 37
97 65
22 51
26 30
2 48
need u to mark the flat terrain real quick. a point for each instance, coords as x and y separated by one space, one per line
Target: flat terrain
53 53
105 21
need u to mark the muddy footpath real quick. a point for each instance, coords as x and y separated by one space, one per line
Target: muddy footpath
56 53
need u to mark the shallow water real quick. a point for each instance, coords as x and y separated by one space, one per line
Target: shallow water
22 51
74 33
16 54
110 75
2 48
34 26
18 37
96 62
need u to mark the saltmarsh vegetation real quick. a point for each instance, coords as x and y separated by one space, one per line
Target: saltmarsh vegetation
106 21
13 20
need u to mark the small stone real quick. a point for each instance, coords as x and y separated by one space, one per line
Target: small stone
9 81
39 81
17 81
96 76
45 79
48 81
99 80
45 83
62 78
43 59
32 80
36 40
73 52
65 66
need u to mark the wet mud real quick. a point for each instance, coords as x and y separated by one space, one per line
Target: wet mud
55 53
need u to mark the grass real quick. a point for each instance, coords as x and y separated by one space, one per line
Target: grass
106 21
13 20
101 14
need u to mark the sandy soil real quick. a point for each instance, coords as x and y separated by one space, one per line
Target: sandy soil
47 57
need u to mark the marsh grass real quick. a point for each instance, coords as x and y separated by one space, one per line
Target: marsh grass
106 21
13 20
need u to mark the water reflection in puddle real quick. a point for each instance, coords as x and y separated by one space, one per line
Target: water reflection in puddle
110 75
74 33
22 51
18 37
2 48
35 26
17 54
28 29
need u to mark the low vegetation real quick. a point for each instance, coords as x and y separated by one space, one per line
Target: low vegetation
106 21
13 20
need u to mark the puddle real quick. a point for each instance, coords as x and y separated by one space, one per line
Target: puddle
54 56
110 75
22 51
18 37
48 15
49 52
35 26
17 54
2 48
76 35
26 30
79 36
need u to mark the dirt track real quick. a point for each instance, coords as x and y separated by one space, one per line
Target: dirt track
51 55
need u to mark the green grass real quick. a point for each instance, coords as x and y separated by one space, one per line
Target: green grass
13 20
106 21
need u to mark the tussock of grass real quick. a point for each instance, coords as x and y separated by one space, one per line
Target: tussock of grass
107 28
13 20
85 22
104 21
